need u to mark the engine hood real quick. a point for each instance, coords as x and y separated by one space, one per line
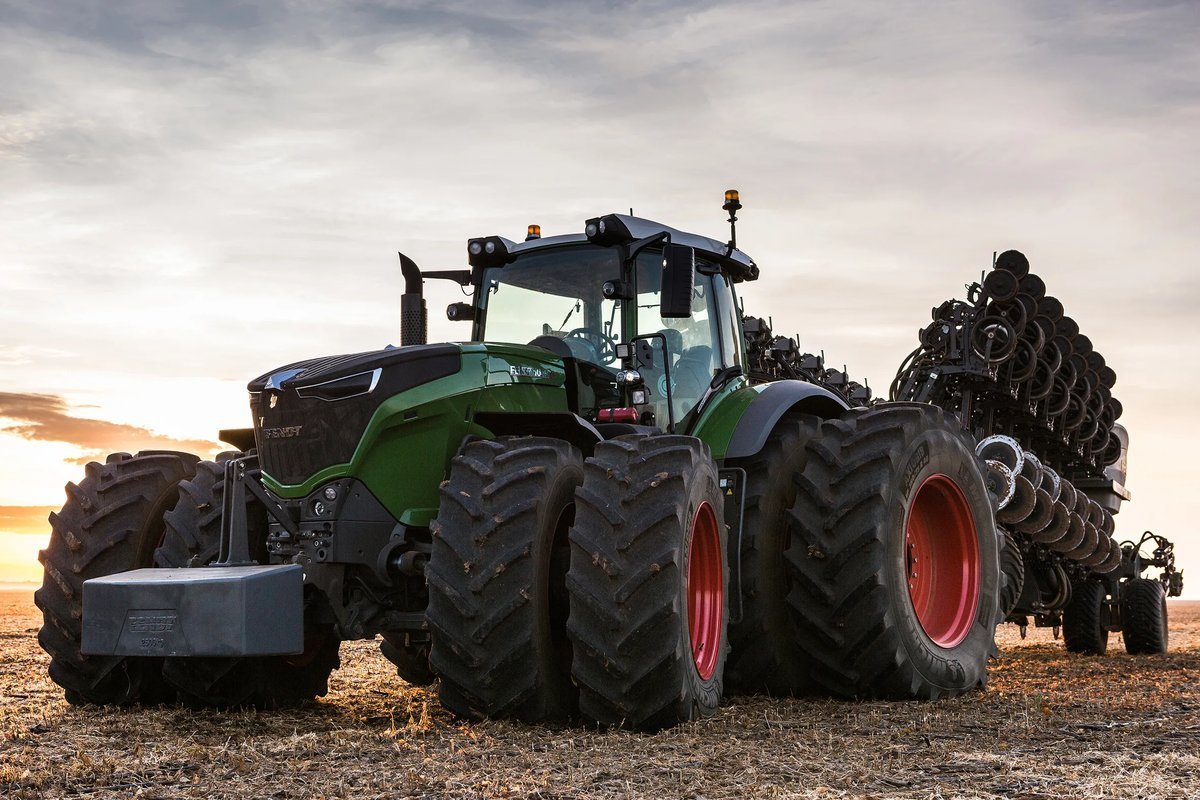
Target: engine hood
312 414
404 367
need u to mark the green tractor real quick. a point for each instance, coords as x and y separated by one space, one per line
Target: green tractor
600 507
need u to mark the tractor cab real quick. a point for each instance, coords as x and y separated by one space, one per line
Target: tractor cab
643 315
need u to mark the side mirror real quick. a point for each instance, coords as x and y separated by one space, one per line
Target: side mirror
678 278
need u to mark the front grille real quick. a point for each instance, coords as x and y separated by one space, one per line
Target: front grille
325 434
303 435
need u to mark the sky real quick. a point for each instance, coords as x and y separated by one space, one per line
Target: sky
193 193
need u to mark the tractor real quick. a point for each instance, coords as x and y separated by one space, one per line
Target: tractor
617 501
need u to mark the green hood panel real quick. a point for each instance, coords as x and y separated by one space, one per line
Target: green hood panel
406 447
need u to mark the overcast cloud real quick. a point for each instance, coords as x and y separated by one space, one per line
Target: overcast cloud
191 193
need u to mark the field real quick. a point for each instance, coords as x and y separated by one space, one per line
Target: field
1048 726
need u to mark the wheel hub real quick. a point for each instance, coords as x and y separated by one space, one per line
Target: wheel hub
941 561
705 591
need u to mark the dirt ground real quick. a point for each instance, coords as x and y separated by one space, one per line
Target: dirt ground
1049 725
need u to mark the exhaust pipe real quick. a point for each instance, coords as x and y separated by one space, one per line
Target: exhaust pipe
413 315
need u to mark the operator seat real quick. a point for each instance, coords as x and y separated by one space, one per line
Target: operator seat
692 374
554 344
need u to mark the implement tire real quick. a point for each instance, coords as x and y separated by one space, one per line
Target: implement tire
193 538
1144 617
648 583
497 579
1012 572
764 654
1083 630
895 591
112 521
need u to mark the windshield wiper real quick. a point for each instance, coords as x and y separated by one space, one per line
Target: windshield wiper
571 313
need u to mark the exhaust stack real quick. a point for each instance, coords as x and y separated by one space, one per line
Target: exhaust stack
413 315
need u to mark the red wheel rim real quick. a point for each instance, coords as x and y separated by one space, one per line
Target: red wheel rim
705 591
941 558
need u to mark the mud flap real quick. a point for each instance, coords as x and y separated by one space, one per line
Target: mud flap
203 611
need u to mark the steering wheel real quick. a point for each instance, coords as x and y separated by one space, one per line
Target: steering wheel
604 345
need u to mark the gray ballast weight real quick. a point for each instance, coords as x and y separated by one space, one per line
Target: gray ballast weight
204 611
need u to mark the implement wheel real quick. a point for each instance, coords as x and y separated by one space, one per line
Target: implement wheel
111 523
193 536
1082 627
648 583
764 654
1144 617
896 587
1012 572
497 579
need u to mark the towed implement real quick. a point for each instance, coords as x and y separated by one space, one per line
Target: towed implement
616 501
1038 397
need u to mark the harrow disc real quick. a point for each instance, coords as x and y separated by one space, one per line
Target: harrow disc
994 339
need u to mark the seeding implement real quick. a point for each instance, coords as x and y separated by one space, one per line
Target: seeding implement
616 501
1037 396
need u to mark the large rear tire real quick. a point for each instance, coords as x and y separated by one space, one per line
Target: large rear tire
1144 617
896 590
193 538
648 583
1082 627
497 579
112 521
764 653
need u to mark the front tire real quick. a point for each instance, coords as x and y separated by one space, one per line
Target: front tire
112 521
896 588
1144 617
497 579
648 583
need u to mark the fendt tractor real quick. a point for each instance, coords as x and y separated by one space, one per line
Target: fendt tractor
617 501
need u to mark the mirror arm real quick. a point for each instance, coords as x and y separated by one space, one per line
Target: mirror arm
634 249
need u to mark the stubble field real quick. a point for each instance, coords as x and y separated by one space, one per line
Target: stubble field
1049 725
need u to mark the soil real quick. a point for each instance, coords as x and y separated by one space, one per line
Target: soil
1049 725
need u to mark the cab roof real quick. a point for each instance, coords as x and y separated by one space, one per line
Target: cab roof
736 263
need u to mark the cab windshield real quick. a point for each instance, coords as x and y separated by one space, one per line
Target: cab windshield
557 293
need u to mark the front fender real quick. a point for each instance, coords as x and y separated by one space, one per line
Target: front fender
742 421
